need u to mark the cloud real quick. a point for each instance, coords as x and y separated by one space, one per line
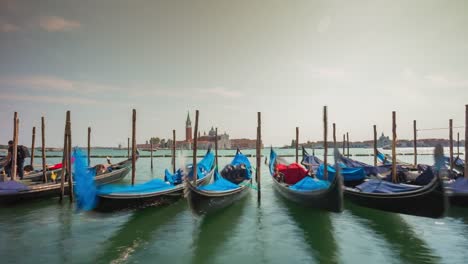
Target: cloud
39 82
323 24
222 92
446 81
57 24
63 100
7 27
331 73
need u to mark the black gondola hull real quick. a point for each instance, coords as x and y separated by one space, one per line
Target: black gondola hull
53 189
116 202
458 199
330 199
429 201
38 176
203 202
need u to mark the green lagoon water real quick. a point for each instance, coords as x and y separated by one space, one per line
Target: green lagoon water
275 231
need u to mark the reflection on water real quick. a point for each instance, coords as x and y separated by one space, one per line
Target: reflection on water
214 230
317 230
137 231
318 233
277 231
400 236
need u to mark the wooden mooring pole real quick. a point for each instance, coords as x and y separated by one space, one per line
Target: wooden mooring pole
415 144
89 146
133 146
466 141
394 172
33 145
297 144
347 144
375 145
216 147
195 143
64 157
334 136
325 143
173 151
151 154
14 160
44 169
344 144
69 161
259 155
451 143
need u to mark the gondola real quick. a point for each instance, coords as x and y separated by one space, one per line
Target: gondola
351 176
457 191
369 170
152 193
294 183
12 192
227 188
39 176
428 200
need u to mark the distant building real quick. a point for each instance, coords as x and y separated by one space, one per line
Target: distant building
188 129
244 143
208 140
383 141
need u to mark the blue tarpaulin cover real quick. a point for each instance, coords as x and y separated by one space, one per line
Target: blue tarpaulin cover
12 187
175 178
240 159
204 166
460 185
220 184
310 184
305 184
85 188
456 161
348 174
310 161
383 158
147 187
368 169
379 186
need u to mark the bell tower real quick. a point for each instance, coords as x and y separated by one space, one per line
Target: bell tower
188 128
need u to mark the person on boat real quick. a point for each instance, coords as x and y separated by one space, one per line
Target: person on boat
7 163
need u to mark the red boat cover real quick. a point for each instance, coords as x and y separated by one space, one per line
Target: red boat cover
59 165
292 172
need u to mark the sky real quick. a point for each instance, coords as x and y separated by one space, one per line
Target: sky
231 59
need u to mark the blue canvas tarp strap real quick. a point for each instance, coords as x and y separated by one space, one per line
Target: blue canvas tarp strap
379 186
